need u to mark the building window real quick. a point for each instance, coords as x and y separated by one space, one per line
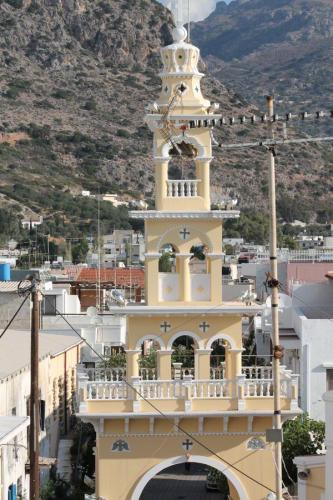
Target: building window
14 411
329 379
49 305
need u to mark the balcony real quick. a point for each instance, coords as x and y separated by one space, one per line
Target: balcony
182 188
252 390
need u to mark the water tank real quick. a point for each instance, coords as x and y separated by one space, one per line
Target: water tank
4 271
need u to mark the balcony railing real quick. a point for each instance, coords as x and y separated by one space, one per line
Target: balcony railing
178 372
186 389
182 188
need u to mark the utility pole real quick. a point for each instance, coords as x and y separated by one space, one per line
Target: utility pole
274 283
34 393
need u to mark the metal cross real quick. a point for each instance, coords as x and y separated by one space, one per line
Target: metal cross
204 326
187 444
177 10
184 233
165 326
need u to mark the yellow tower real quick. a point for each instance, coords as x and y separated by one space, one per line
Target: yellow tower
223 406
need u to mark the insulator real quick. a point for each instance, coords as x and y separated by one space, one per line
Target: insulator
288 117
264 118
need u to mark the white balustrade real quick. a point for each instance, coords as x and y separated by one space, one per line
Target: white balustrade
181 372
182 188
257 372
148 373
106 374
217 373
206 389
254 388
107 390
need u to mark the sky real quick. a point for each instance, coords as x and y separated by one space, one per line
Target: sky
200 9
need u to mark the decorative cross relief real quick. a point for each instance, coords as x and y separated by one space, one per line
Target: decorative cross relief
120 446
184 233
187 445
165 327
204 326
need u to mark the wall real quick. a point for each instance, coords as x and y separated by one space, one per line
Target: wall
9 303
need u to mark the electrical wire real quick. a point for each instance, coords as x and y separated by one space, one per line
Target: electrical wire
280 476
170 419
14 316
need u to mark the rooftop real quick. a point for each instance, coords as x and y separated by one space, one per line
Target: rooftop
10 426
15 348
115 276
318 312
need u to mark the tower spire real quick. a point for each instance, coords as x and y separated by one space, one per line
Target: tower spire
178 12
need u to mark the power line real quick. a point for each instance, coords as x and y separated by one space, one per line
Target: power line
186 433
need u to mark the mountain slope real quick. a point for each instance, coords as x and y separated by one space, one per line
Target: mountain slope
75 78
262 45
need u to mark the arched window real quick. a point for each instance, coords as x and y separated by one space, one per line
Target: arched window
167 261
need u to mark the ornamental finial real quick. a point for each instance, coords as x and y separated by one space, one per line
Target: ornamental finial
179 33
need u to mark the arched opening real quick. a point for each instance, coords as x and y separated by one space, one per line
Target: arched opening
188 480
237 489
199 262
218 359
167 261
148 358
182 358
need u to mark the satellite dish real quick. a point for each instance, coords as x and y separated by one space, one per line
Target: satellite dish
91 312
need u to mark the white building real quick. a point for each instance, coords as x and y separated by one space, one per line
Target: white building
306 333
123 245
13 457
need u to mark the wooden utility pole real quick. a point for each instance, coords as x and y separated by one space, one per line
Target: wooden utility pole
274 283
34 394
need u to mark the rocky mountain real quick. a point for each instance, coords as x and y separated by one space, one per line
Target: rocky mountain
75 77
260 46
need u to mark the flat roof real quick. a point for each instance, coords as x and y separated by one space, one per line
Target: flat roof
318 312
225 308
10 426
15 348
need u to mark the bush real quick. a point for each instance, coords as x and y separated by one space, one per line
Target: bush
123 133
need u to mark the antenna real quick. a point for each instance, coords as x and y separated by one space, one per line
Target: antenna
189 21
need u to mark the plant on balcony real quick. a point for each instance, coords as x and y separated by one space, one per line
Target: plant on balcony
183 355
149 360
115 361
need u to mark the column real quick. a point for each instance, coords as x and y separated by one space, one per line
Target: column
328 398
161 178
202 364
215 270
151 278
164 365
183 261
203 174
236 373
132 363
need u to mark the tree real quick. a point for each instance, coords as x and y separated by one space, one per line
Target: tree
165 263
79 251
302 436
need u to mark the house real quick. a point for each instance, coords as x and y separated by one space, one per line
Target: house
59 353
31 220
13 457
306 333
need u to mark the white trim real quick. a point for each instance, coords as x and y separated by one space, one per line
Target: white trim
218 310
217 464
210 214
189 334
150 337
223 336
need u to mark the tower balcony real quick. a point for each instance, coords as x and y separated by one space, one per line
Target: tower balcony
182 188
243 394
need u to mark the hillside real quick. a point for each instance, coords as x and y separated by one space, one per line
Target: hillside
256 46
76 76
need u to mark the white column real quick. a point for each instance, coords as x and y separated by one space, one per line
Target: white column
328 398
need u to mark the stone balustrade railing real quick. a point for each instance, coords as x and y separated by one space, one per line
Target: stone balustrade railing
189 389
182 188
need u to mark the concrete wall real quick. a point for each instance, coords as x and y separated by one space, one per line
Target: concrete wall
9 303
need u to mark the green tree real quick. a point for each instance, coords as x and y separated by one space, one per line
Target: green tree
302 436
165 263
79 251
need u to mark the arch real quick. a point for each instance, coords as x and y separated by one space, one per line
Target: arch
202 237
185 333
221 336
150 337
216 464
178 140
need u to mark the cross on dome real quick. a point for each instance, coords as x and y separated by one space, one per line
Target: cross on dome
177 8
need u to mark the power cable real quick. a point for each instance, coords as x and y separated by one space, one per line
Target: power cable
166 417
